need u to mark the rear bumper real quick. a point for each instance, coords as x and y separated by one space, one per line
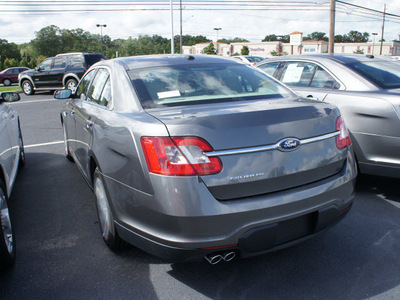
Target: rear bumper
183 221
256 241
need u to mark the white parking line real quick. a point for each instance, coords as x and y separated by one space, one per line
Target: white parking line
43 144
31 101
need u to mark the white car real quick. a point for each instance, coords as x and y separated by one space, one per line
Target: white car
12 156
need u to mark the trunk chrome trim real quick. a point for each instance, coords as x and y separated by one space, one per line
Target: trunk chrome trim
269 147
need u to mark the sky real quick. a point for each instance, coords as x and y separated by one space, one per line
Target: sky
20 20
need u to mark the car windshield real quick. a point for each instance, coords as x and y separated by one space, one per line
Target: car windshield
384 74
195 84
254 58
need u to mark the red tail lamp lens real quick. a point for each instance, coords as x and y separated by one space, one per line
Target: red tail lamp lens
179 156
343 140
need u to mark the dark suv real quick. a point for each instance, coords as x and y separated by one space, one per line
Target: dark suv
61 71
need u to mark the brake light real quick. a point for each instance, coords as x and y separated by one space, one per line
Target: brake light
343 140
179 156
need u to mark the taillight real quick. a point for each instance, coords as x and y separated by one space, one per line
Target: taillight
179 156
343 140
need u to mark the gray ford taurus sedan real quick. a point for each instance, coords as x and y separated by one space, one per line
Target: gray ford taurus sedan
367 91
201 156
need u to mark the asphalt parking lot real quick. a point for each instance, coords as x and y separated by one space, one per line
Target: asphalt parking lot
60 253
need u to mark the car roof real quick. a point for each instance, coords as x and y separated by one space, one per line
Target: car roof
340 58
145 61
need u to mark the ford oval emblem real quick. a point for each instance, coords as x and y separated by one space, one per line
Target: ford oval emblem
288 144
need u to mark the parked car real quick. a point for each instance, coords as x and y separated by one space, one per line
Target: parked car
367 91
10 75
12 156
202 156
249 60
63 70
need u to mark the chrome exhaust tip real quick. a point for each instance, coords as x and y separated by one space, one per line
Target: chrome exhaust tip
214 258
228 256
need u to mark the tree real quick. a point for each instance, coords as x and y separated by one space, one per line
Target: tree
235 40
319 36
9 50
273 38
48 41
210 49
352 37
23 63
245 50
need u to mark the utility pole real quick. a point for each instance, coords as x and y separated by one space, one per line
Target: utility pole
332 28
180 40
383 27
172 28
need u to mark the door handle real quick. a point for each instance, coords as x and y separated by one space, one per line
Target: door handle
72 111
310 96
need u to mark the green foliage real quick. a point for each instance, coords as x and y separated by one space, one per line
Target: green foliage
23 63
235 40
352 37
9 50
32 64
318 36
210 49
275 53
359 51
245 50
273 38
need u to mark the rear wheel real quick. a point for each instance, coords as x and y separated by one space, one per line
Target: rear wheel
27 87
7 236
7 82
105 216
71 85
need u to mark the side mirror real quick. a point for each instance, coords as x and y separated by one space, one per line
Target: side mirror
9 97
62 94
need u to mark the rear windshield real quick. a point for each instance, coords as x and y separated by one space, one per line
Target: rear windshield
384 74
91 59
196 84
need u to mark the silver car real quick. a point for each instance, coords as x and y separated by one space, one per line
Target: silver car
12 156
201 156
367 91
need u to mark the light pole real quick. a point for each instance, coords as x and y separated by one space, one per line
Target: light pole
217 29
373 41
101 34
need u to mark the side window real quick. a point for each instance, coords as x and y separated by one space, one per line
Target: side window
75 61
96 89
59 63
322 79
45 65
83 86
298 73
106 96
270 68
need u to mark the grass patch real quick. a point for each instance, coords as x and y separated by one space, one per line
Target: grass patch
13 88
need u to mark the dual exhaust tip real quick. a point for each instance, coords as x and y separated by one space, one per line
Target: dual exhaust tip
215 258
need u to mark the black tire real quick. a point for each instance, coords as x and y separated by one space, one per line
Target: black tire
104 214
27 87
66 146
7 82
21 148
7 235
71 85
